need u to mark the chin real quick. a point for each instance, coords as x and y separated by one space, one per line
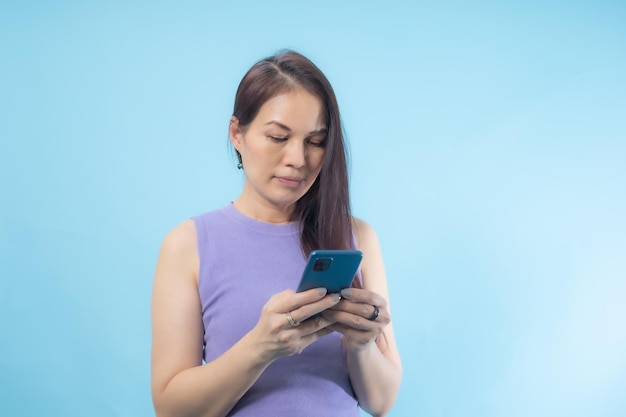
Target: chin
285 201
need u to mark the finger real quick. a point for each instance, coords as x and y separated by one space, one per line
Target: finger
352 321
295 300
359 309
314 325
360 295
304 312
358 321
370 312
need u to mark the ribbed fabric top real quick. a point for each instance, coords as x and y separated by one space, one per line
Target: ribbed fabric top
243 262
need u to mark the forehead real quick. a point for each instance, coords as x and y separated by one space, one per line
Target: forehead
297 109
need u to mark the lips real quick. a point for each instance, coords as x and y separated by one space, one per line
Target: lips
290 181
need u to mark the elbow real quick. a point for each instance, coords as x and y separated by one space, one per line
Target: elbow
158 402
380 405
163 407
159 408
381 411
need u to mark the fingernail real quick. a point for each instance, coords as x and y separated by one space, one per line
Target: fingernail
336 297
346 293
321 291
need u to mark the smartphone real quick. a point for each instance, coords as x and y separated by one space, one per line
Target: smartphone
331 269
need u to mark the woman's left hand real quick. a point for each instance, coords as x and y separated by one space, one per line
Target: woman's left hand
360 316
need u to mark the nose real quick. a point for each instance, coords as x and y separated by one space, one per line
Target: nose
295 153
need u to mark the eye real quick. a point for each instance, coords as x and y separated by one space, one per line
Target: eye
317 142
277 138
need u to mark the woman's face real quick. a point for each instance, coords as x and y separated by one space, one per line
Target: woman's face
282 149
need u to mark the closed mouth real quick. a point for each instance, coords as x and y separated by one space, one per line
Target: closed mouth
293 181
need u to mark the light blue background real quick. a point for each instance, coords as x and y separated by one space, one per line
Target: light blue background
488 151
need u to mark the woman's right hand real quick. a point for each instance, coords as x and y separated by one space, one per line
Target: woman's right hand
276 336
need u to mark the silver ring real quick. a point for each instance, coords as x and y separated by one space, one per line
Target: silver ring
375 314
290 319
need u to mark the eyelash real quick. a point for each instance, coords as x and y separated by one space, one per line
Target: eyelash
277 139
312 143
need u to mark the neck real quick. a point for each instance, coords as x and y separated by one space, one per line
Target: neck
263 211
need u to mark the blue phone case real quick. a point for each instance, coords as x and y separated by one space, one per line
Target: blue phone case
332 269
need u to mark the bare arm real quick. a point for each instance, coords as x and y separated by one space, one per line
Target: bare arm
373 358
181 385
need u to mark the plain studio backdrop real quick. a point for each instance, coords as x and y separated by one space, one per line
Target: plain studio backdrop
488 144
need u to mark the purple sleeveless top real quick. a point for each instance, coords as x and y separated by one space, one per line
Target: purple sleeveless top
243 262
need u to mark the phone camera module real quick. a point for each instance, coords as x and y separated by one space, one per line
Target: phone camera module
322 264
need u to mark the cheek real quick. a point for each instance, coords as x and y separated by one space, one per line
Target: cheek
256 152
316 159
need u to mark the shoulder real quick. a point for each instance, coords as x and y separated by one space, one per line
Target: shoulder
367 242
364 234
179 248
181 238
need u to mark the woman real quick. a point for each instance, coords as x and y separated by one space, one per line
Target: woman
230 336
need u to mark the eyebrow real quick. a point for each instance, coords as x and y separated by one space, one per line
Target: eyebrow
282 126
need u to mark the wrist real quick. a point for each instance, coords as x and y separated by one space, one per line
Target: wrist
253 349
362 351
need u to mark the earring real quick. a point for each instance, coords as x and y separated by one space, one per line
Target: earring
239 165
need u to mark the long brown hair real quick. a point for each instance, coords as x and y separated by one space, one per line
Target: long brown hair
324 211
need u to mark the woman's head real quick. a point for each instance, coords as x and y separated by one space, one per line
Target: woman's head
282 73
324 211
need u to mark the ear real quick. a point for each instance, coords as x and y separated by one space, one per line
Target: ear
235 134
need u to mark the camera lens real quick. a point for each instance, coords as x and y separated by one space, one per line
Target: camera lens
319 265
